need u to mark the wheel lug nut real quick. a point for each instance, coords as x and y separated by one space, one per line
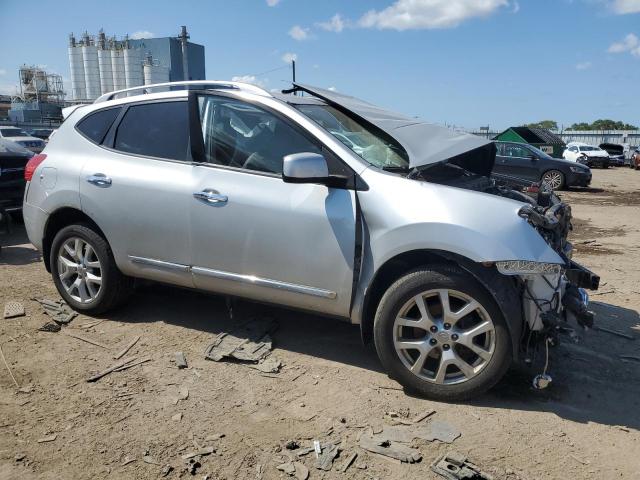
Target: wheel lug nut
433 341
445 346
434 329
447 326
454 337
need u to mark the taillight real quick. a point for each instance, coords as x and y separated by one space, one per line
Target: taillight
32 164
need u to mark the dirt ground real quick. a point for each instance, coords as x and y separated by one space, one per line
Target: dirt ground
585 426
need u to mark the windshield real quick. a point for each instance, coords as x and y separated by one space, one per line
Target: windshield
589 149
372 146
12 132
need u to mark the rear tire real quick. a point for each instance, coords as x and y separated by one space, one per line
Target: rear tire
85 272
470 367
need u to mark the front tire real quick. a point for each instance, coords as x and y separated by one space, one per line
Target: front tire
84 271
554 178
439 333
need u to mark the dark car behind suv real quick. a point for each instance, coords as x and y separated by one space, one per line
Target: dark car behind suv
529 163
13 159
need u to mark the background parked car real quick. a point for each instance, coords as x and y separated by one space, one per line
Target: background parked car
41 133
586 154
616 153
635 159
22 138
529 163
13 159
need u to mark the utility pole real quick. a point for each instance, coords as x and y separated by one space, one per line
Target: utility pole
293 73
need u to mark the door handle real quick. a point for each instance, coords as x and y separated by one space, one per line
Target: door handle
211 196
99 180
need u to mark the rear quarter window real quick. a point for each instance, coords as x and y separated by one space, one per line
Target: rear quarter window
96 125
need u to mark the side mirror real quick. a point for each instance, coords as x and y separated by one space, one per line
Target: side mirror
305 167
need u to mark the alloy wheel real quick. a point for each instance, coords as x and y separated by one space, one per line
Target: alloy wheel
79 270
553 178
444 336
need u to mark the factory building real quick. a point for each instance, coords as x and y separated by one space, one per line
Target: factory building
103 64
41 96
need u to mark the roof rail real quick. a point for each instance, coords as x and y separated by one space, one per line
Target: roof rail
186 85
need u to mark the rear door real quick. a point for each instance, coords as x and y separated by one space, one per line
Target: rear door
254 235
137 187
516 160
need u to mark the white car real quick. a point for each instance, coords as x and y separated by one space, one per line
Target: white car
22 138
586 154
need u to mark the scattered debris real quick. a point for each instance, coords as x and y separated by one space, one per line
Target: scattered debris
87 340
268 365
348 462
390 449
181 360
326 458
614 332
112 368
294 469
580 460
249 343
430 431
50 438
150 460
13 310
455 466
214 437
292 445
423 415
133 364
623 428
287 468
192 466
123 352
183 393
50 327
26 389
59 311
127 460
8 369
20 456
177 417
199 453
166 470
317 447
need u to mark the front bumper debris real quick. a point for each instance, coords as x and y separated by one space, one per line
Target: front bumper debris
582 277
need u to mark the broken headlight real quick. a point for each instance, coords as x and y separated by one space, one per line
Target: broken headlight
525 267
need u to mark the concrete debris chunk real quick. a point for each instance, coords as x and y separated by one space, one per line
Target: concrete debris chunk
455 466
268 365
50 438
177 417
199 453
13 310
287 468
326 458
181 360
150 460
429 431
249 343
59 311
390 449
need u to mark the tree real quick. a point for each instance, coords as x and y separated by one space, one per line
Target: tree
548 124
603 124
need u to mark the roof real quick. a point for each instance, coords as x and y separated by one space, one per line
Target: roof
534 135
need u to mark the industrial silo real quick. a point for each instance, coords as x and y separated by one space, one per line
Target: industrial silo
154 73
91 68
133 66
117 67
76 66
104 64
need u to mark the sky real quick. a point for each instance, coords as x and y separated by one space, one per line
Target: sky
468 63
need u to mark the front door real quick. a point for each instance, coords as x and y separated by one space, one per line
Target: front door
252 234
516 161
138 190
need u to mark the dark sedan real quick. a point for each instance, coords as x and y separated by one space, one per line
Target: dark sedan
13 159
529 163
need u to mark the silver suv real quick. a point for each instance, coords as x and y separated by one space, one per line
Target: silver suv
320 202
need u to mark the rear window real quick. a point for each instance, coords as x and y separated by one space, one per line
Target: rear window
155 130
96 125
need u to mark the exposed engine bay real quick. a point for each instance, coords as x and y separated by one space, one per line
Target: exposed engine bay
549 300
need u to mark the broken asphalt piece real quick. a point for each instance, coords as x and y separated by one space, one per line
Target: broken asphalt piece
199 453
430 431
348 462
50 438
59 311
249 343
455 466
181 360
390 449
13 310
268 365
50 327
325 459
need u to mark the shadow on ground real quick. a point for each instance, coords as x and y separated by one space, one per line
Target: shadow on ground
15 248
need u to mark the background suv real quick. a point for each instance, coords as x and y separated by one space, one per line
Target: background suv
228 188
529 163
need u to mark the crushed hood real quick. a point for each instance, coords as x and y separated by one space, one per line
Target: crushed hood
426 144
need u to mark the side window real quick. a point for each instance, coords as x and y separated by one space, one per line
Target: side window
158 129
499 149
96 125
238 134
516 151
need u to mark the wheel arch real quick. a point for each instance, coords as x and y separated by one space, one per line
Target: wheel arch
504 290
59 219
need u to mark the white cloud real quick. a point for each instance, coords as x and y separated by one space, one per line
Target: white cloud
140 34
273 3
335 24
584 66
622 7
631 44
289 57
516 6
299 33
248 79
429 14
